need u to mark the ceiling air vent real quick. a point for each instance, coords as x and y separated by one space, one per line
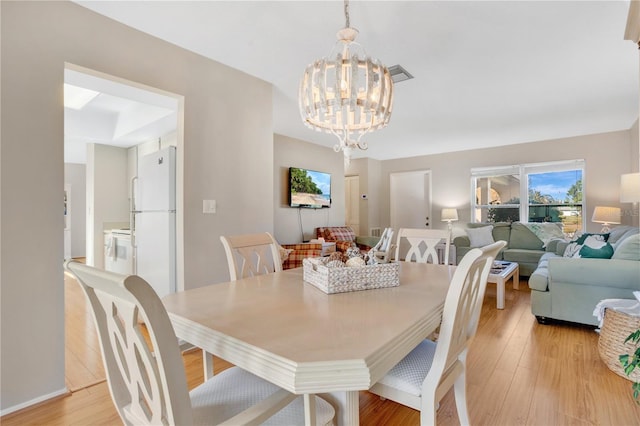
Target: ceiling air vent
399 74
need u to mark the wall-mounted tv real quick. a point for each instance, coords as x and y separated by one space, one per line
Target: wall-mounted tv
308 188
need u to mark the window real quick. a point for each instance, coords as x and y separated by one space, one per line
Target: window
544 192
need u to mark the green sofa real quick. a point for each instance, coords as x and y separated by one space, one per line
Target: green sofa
569 288
523 246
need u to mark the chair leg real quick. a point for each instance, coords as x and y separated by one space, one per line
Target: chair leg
460 390
207 362
309 409
428 415
428 409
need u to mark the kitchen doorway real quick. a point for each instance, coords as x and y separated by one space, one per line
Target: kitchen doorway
109 122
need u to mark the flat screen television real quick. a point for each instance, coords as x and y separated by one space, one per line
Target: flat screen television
309 189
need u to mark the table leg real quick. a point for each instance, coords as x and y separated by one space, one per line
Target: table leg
516 279
500 291
347 405
207 363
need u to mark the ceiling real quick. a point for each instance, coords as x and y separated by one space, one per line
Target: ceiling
117 114
486 73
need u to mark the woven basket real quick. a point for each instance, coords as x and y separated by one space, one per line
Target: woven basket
340 280
616 328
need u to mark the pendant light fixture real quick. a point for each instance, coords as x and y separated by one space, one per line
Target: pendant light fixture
347 93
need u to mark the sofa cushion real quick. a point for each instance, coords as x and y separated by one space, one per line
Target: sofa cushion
523 256
501 230
561 246
572 249
620 233
523 238
339 233
546 231
595 248
480 237
628 249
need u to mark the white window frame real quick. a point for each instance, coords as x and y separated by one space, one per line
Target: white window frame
523 170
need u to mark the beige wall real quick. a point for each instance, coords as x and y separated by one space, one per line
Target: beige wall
107 196
227 138
368 171
289 152
606 155
634 135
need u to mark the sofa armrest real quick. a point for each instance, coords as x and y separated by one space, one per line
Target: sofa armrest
461 241
366 243
555 244
303 246
596 272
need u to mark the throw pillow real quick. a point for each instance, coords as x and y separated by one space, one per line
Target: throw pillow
572 250
284 253
583 237
480 237
628 249
595 247
339 233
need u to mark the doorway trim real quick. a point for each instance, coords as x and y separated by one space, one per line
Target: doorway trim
179 156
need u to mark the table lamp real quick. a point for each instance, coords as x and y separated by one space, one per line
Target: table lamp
449 215
606 216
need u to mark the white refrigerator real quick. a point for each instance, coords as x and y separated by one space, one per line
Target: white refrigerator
153 217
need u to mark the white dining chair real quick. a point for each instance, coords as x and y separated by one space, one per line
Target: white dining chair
147 379
422 245
248 255
251 254
381 252
427 373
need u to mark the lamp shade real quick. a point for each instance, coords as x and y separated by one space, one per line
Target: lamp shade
449 215
609 215
630 188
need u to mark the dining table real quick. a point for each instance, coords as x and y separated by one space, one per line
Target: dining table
286 331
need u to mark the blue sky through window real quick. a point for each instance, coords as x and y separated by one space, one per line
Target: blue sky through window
555 184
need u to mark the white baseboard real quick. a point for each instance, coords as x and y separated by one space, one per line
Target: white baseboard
34 401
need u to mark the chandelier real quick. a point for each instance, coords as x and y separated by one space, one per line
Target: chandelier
347 93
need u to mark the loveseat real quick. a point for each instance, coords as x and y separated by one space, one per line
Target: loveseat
525 242
568 288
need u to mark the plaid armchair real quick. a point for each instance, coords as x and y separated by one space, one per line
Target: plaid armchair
343 236
297 252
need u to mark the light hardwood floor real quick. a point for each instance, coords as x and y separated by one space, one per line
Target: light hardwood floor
83 361
519 373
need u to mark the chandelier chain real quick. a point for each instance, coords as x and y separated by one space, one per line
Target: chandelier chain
346 13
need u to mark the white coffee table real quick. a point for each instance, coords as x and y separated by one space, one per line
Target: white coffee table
508 270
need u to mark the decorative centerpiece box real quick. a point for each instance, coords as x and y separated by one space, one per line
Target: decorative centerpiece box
350 278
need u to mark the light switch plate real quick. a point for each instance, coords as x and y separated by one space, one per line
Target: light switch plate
208 206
